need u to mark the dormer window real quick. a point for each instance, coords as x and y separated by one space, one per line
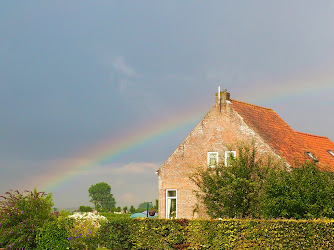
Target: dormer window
312 156
212 159
331 152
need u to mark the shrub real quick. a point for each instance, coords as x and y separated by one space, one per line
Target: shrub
21 214
85 209
84 234
53 235
218 234
304 192
116 233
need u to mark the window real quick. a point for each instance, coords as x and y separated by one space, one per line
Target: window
212 159
331 152
312 156
228 155
171 198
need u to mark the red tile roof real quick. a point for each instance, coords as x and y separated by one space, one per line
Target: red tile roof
320 146
274 130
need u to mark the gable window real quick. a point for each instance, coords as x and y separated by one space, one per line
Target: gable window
312 156
331 152
212 159
171 198
228 156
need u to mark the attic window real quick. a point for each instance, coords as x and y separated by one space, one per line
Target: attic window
331 152
212 159
311 156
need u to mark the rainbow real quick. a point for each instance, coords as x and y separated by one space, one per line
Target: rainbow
133 139
111 149
292 87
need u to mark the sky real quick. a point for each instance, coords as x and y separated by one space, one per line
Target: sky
104 91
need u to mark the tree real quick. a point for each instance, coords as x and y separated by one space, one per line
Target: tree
234 190
101 196
85 209
156 206
125 209
303 192
143 206
132 209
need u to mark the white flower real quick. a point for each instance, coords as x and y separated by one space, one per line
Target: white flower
94 218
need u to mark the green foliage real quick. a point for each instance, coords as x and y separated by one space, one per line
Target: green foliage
144 234
257 187
116 234
125 209
156 205
64 213
101 196
53 235
21 215
234 190
304 192
85 209
261 234
132 209
217 234
84 233
143 206
112 216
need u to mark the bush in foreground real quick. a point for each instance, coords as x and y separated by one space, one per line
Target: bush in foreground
21 214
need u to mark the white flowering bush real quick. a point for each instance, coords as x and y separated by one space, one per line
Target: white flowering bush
84 233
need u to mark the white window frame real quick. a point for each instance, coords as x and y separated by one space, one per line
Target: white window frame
330 152
171 197
311 156
227 155
208 157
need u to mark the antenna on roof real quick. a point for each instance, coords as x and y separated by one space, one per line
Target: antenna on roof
219 100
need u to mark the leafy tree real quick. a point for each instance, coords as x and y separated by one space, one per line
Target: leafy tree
132 209
156 206
101 196
143 206
234 190
125 209
118 209
21 215
304 192
85 209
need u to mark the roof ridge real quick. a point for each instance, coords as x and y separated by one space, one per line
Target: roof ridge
251 104
311 134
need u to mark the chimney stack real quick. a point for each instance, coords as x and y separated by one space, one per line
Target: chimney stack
224 96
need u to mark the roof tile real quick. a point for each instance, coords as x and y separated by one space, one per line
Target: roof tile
274 130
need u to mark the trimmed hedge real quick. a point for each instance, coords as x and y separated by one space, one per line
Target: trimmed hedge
217 234
53 235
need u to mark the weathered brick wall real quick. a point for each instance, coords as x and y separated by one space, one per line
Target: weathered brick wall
215 132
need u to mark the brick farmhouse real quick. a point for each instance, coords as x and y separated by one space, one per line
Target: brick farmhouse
230 121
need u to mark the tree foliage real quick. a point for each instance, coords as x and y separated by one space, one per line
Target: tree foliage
132 209
85 209
233 190
256 186
21 215
101 196
143 206
304 192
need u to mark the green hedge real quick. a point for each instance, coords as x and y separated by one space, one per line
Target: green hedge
53 235
217 234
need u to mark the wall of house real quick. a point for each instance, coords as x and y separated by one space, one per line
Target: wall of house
215 132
